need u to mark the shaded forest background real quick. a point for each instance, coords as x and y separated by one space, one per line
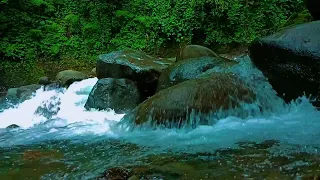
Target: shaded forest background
40 37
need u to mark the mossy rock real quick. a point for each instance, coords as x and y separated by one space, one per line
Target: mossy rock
67 77
195 51
133 65
176 105
191 69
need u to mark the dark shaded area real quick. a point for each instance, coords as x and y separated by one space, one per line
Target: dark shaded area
314 8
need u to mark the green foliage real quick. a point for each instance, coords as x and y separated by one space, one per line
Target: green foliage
152 24
82 29
297 18
50 28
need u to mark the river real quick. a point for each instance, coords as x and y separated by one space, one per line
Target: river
59 139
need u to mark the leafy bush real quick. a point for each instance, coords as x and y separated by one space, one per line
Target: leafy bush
82 29
208 21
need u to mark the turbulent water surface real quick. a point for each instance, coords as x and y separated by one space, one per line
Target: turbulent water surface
58 139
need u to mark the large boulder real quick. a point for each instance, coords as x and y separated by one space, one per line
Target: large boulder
313 7
121 95
191 69
290 59
195 51
67 77
207 99
134 65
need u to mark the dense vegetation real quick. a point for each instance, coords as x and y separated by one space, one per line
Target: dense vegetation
78 30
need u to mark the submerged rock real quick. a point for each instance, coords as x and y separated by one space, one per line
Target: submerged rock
12 126
67 77
115 174
134 65
176 105
313 7
190 69
31 155
120 95
195 51
290 59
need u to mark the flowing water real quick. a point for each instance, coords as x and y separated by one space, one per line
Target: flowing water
59 139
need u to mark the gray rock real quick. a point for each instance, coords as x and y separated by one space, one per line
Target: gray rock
25 92
121 95
134 65
20 94
190 69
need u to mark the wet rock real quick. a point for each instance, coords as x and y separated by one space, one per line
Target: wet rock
67 77
290 59
134 65
25 92
115 174
313 8
191 69
20 94
120 95
44 80
12 126
195 51
176 105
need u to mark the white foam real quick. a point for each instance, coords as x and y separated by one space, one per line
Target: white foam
299 123
69 105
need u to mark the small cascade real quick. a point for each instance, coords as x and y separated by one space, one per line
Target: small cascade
66 104
60 114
